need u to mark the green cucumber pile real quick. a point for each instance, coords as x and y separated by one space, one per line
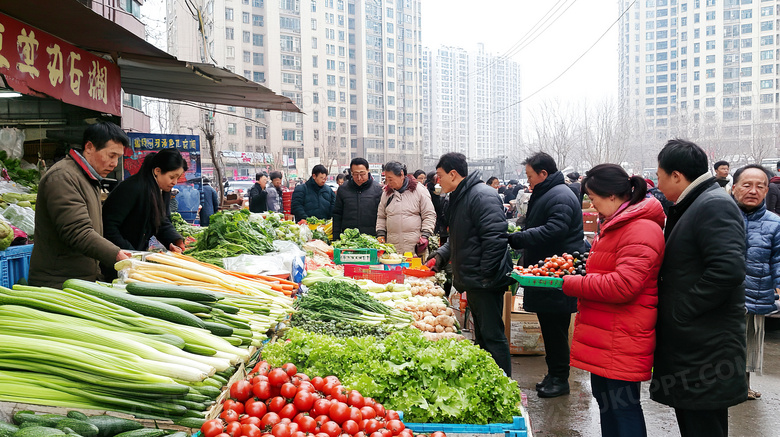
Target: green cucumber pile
77 424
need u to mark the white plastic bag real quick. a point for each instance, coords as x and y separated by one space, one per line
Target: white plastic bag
12 141
21 217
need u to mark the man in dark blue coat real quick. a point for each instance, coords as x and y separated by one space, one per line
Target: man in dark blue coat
553 227
699 366
314 198
479 256
210 202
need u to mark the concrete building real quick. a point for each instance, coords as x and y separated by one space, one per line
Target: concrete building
472 104
350 65
705 70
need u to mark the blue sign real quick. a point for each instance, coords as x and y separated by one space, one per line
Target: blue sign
154 142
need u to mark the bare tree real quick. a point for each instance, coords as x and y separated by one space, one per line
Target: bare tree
763 143
603 134
553 131
330 152
216 159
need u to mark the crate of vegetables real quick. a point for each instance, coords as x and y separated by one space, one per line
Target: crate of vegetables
516 428
550 271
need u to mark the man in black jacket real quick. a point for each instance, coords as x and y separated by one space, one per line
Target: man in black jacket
553 227
357 201
314 198
479 256
699 366
773 197
258 197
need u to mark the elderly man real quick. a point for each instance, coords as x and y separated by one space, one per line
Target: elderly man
357 201
69 239
762 260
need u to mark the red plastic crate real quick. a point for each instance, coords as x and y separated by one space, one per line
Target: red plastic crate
377 274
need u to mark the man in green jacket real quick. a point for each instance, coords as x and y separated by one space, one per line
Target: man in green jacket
69 239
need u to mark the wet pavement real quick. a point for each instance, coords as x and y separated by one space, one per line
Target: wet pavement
577 413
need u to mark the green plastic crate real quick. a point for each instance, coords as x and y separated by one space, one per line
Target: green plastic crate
538 281
355 256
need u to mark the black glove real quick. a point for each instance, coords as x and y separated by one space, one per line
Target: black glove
514 239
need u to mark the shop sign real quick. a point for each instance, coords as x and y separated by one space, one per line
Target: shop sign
39 64
155 142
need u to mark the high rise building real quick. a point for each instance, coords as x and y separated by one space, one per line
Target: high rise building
350 65
471 103
705 70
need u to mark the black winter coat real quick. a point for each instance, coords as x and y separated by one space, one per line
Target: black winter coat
356 207
311 200
773 196
700 333
127 218
553 226
258 199
479 256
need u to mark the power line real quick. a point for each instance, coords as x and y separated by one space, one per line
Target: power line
572 64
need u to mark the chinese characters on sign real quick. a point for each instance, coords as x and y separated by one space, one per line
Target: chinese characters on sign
39 64
155 142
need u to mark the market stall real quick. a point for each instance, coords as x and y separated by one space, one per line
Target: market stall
236 337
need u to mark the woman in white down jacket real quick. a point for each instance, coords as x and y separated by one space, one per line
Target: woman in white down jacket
406 217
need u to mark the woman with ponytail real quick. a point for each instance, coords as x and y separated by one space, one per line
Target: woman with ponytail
614 331
137 209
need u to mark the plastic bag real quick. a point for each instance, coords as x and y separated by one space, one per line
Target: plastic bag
287 258
12 142
21 217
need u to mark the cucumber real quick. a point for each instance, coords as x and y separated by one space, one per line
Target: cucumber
38 431
186 305
247 333
171 339
194 406
170 290
143 432
200 350
213 383
221 380
235 324
71 433
26 419
219 329
234 341
210 391
78 415
179 434
108 426
229 309
190 422
7 430
135 303
194 414
19 415
196 397
80 427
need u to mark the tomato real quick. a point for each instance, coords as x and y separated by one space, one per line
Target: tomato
332 378
439 434
350 427
339 412
281 430
303 376
395 426
288 411
321 434
290 369
375 434
391 415
384 432
250 431
339 393
277 377
258 378
327 388
230 404
276 404
368 402
406 433
321 419
318 382
256 408
380 410
212 427
304 400
306 424
262 368
288 390
229 416
286 421
332 429
363 423
294 427
355 399
241 390
275 391
298 434
270 419
360 434
321 406
306 386
233 429
372 426
355 414
246 420
262 390
368 412
223 435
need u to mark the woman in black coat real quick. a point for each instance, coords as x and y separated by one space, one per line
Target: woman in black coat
137 208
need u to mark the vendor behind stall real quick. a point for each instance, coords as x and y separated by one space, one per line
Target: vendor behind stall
137 209
69 239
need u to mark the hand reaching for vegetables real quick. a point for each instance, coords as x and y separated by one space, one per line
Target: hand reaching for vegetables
381 239
434 262
177 247
421 246
122 255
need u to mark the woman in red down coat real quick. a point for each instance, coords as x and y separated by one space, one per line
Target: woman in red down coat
614 332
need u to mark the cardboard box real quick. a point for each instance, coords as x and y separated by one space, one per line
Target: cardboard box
590 222
525 335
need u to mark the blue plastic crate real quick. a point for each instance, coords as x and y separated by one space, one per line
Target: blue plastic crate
15 264
516 428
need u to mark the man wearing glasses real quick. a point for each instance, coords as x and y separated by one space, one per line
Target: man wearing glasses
357 201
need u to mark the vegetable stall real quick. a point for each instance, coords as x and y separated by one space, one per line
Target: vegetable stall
180 344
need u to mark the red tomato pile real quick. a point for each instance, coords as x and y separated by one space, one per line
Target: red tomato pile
556 266
280 402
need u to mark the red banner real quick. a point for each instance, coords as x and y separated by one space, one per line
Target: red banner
39 64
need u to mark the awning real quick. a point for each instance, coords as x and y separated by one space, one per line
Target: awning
145 69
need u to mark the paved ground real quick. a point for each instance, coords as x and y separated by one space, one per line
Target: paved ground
577 413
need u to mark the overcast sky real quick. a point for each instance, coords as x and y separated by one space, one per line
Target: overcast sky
500 24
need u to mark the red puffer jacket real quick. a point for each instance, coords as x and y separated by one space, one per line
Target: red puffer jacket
614 332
